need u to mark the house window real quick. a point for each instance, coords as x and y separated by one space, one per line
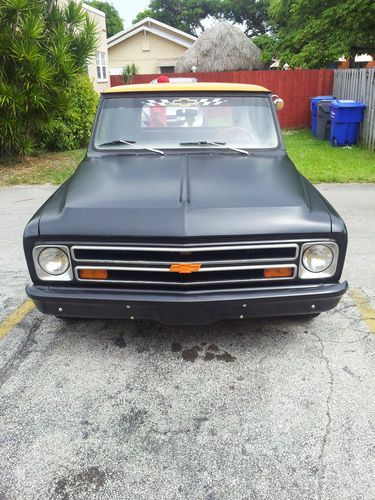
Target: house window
166 69
101 68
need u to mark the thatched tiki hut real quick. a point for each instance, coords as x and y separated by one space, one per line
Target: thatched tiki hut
223 47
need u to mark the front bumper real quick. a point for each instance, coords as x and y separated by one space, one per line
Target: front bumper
197 308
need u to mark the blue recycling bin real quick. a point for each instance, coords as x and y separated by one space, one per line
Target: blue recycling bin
346 117
314 109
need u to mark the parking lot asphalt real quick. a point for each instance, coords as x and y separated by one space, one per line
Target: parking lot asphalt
261 409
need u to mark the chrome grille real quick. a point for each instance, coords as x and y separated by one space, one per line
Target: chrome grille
221 264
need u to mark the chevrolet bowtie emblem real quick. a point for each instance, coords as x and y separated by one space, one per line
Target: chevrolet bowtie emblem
184 268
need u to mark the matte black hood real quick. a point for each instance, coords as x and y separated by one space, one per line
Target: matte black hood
184 196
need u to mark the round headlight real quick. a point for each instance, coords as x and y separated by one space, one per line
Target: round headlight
317 258
53 261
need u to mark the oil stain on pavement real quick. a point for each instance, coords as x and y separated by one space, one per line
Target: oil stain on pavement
86 482
207 353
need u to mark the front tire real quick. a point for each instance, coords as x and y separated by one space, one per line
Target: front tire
308 317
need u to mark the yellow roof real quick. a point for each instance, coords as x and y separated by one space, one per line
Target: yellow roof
175 87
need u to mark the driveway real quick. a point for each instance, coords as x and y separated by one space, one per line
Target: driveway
261 409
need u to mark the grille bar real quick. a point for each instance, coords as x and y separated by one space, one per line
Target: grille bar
195 248
220 254
167 270
255 274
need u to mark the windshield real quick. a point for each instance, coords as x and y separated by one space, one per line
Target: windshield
181 121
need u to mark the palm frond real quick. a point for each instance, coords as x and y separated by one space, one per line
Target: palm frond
85 43
74 15
31 26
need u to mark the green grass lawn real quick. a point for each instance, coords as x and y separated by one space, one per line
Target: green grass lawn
317 160
321 162
52 168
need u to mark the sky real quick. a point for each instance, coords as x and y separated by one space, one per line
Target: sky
128 9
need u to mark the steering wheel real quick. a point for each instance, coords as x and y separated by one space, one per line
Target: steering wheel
235 134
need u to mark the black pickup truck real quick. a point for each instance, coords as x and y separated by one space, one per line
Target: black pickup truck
186 209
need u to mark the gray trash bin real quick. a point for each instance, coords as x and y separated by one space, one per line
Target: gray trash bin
323 121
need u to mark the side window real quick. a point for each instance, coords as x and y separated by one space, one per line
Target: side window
101 67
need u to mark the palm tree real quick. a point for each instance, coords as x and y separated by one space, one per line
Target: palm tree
128 72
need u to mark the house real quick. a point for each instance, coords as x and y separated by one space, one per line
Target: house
98 65
360 61
153 46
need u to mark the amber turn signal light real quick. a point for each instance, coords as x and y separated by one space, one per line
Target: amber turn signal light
278 272
93 274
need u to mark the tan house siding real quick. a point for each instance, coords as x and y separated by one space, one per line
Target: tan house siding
147 51
101 83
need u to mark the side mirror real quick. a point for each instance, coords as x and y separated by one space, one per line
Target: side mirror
278 102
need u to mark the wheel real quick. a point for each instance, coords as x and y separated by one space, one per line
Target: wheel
308 317
65 318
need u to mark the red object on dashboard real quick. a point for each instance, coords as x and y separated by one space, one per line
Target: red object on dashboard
163 79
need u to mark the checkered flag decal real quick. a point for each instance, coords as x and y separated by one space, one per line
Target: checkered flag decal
208 101
185 102
154 102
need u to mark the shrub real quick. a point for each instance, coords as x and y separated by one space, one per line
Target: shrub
43 48
128 72
71 130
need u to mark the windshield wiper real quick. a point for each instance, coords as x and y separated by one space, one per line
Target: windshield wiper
222 145
130 143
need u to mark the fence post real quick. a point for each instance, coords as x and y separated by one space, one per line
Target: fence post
359 84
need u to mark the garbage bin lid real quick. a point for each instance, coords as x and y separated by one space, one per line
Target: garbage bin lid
346 103
322 98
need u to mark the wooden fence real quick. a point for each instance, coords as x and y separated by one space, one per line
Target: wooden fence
359 84
295 87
